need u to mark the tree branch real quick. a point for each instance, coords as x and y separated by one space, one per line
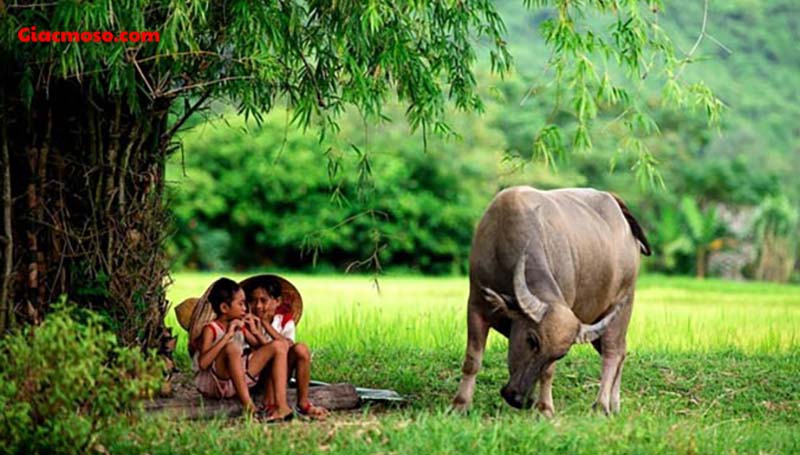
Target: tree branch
151 93
203 84
123 172
188 113
180 54
697 42
113 149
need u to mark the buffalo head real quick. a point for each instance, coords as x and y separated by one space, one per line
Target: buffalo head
541 334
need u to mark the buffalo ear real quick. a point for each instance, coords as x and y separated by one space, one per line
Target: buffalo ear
501 303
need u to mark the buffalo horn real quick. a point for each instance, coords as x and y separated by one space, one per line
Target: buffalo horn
529 303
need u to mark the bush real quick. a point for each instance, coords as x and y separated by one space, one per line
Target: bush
264 199
66 380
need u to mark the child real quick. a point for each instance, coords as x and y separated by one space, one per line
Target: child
223 369
277 324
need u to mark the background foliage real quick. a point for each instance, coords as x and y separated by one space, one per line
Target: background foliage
697 209
262 198
419 212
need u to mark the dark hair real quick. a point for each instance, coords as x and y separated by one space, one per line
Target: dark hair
271 286
222 291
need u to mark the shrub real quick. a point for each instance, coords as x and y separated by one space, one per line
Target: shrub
64 381
266 198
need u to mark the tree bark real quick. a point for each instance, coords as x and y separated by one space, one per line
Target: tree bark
700 264
6 303
88 199
41 180
32 303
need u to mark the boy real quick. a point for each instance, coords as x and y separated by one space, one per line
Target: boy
223 369
277 324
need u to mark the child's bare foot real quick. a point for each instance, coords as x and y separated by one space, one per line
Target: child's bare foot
249 408
267 408
279 415
314 412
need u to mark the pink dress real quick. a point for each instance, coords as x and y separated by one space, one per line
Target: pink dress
208 381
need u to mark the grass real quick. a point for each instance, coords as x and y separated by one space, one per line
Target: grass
712 368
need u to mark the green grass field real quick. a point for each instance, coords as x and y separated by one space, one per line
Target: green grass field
712 368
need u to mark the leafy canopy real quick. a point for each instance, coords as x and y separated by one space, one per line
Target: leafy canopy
318 57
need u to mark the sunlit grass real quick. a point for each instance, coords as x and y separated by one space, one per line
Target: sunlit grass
670 314
712 368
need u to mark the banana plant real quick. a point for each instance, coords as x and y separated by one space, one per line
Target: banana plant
705 231
669 238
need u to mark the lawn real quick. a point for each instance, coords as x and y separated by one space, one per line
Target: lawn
712 368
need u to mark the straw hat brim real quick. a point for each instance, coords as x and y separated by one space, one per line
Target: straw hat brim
184 310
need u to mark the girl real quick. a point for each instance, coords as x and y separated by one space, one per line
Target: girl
277 324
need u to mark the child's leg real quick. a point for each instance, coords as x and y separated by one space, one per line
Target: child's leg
277 352
229 366
269 396
300 357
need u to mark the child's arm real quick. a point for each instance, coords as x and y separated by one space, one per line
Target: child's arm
209 351
253 333
289 331
250 338
249 331
272 331
256 338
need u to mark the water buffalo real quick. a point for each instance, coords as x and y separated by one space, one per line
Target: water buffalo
549 269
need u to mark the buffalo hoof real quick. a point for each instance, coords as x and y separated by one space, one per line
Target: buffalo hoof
599 407
545 409
459 406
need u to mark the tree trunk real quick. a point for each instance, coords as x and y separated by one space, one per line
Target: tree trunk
7 238
89 219
700 264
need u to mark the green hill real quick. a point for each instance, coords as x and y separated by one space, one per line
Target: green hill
748 56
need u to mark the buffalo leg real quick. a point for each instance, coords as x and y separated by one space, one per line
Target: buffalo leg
545 402
477 331
611 363
615 387
613 351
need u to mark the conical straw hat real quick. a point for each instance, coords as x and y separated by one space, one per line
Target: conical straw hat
184 310
201 314
289 294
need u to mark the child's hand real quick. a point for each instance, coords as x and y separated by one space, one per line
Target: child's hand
251 322
233 326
